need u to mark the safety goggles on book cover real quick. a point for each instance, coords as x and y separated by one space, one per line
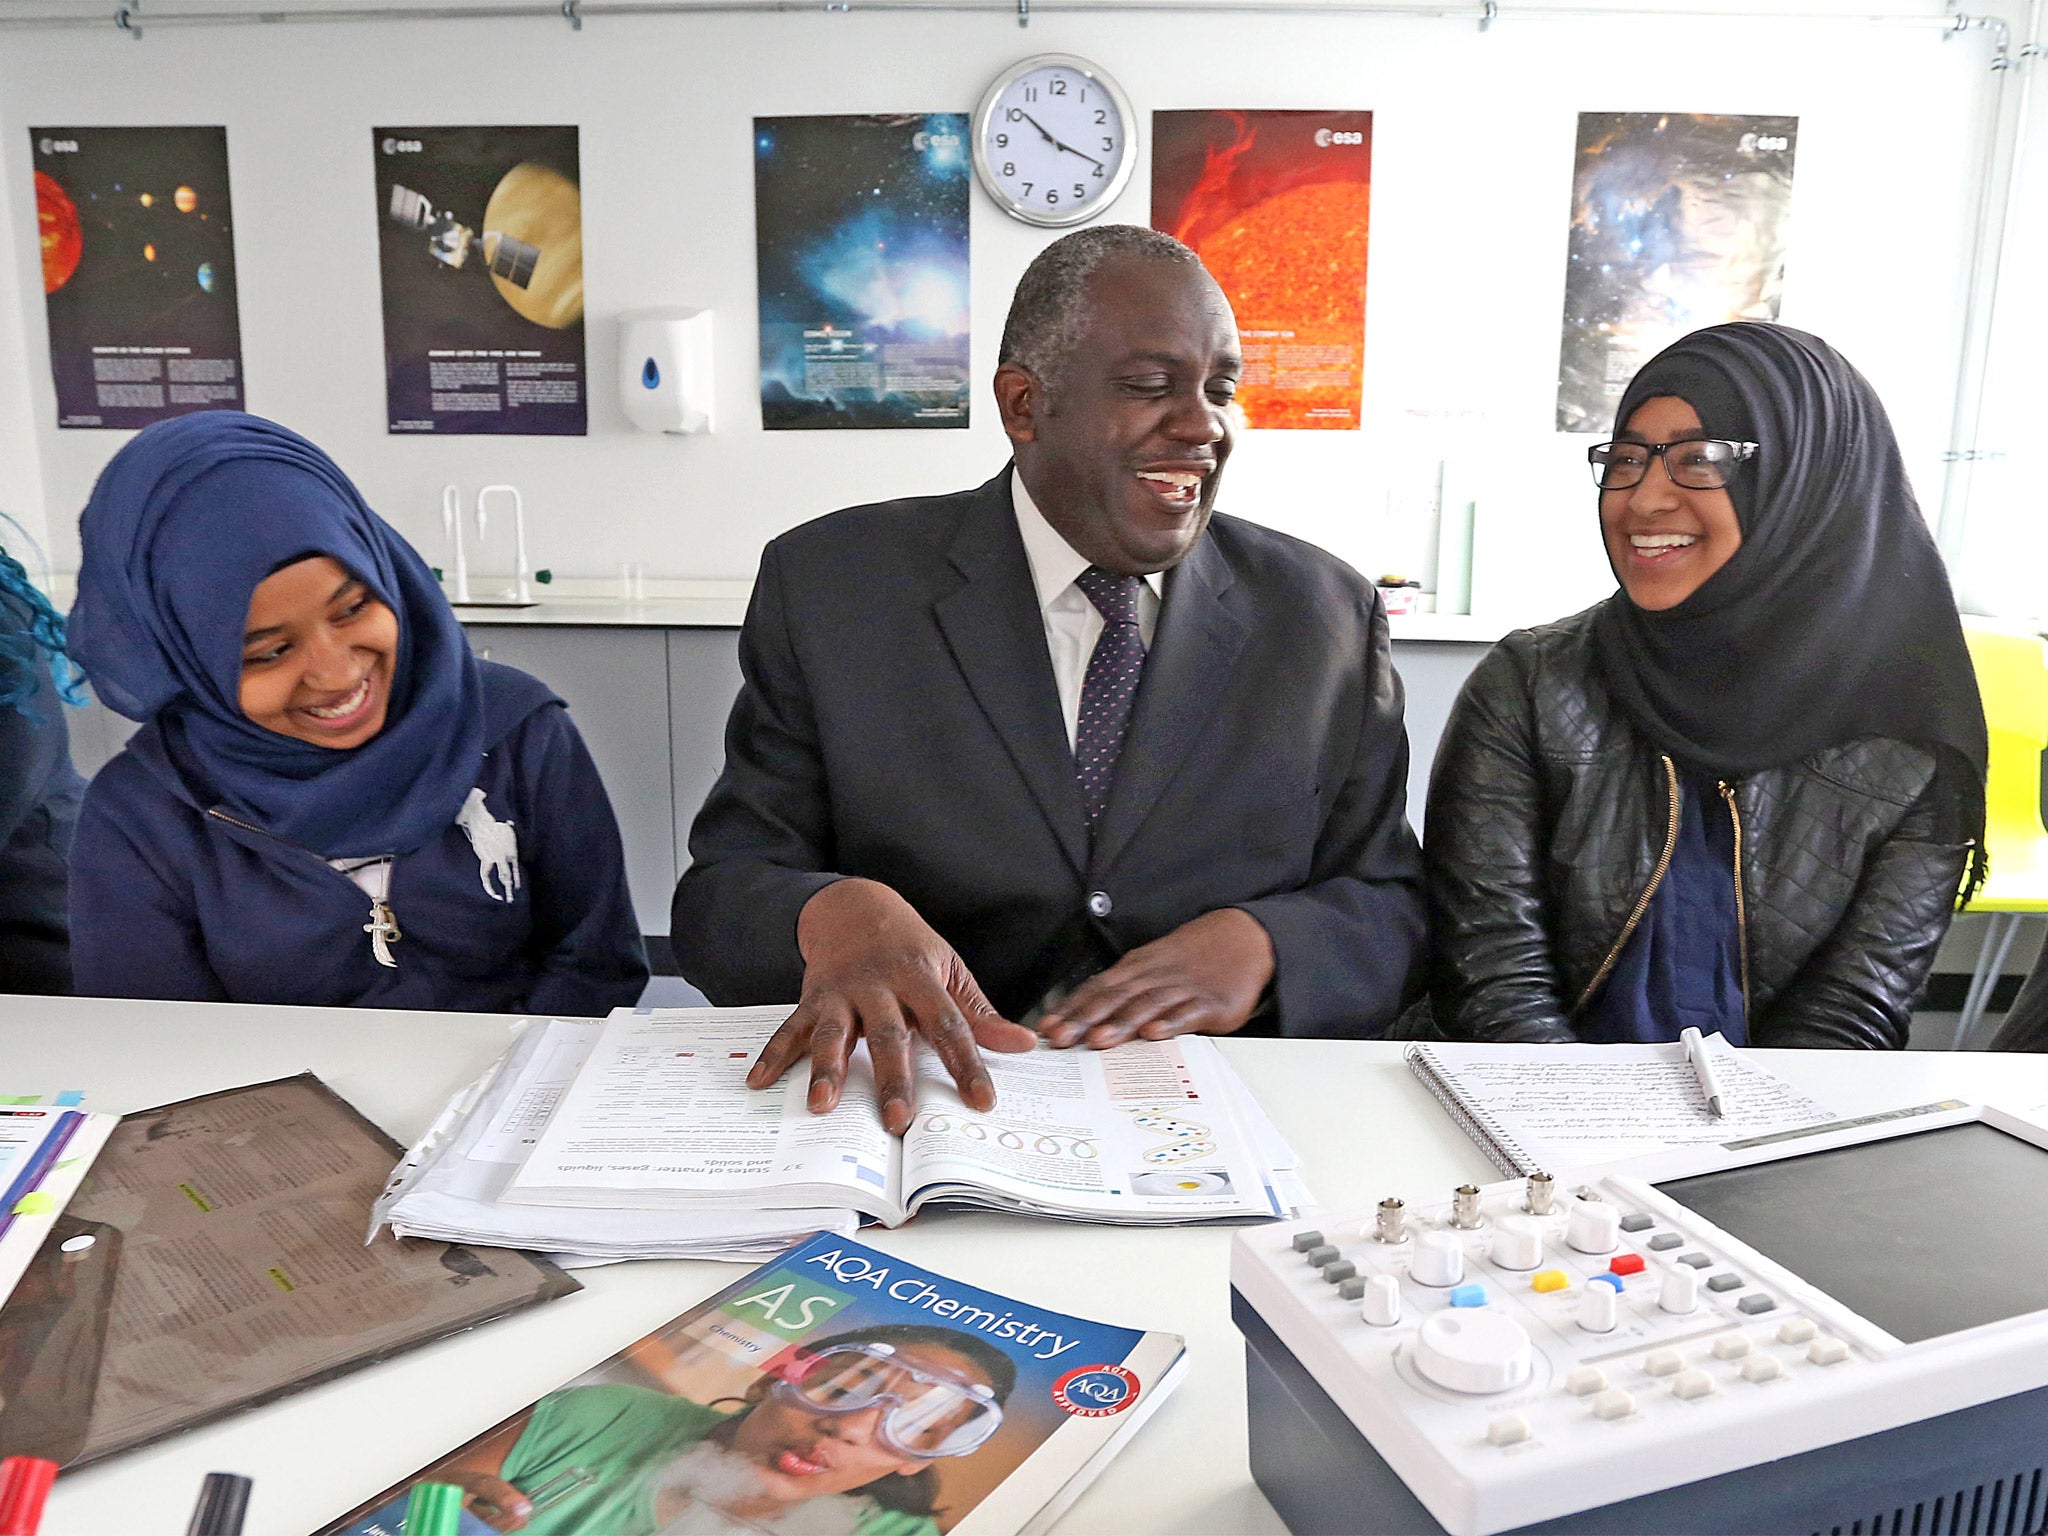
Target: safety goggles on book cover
927 1415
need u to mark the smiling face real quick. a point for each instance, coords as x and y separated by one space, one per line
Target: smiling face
1123 451
802 1453
317 655
1666 539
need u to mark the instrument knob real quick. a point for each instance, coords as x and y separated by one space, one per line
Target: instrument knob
1593 1227
1681 1292
1517 1243
1470 1350
1599 1308
1381 1304
1439 1259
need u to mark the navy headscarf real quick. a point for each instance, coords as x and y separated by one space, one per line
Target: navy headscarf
184 523
1834 618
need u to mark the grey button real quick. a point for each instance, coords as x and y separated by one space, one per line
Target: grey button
1696 1260
1318 1257
1353 1289
1724 1282
1664 1242
1636 1221
1303 1241
1099 904
1755 1304
1339 1272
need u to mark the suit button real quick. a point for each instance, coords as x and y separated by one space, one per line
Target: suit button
1099 904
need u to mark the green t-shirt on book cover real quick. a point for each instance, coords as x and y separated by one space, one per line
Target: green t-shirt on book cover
616 1441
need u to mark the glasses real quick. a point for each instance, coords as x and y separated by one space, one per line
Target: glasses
1699 464
928 1416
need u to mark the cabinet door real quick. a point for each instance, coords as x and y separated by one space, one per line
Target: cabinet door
703 680
615 682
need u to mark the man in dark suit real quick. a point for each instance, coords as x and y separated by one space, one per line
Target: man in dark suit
1065 738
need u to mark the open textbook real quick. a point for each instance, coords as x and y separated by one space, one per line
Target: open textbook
659 1118
837 1391
447 1185
1553 1107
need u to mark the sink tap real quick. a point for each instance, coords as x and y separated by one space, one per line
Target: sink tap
451 526
522 574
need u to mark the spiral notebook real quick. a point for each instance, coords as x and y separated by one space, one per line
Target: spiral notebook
1547 1108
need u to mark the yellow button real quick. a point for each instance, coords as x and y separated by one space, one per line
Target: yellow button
1550 1280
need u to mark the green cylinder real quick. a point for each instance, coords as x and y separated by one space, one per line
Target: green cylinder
434 1509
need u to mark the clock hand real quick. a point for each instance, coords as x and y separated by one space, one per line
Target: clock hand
1057 144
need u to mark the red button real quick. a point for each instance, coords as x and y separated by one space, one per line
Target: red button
1627 1264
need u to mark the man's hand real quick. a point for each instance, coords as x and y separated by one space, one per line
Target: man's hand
1205 978
872 966
490 1498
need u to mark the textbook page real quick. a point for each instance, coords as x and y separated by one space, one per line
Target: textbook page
660 1115
1572 1106
450 1190
1147 1132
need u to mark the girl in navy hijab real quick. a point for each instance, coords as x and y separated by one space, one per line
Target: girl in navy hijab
330 801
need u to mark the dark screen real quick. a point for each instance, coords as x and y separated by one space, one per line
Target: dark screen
1923 1235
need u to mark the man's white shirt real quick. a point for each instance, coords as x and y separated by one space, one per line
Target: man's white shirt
1072 623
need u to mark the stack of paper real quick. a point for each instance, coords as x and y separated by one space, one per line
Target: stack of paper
447 1186
45 1150
638 1138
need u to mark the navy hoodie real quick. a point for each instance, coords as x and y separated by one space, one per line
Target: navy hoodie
174 899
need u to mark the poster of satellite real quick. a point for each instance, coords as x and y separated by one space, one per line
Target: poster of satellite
1277 206
480 248
138 272
860 227
1679 220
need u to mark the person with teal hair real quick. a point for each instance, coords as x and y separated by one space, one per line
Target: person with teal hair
39 789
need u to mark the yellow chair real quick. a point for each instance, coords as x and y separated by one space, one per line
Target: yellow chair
2012 680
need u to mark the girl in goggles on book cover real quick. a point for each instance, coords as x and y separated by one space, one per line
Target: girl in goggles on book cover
840 1436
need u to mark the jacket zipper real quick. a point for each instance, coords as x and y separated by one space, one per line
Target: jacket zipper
1741 912
383 924
1642 901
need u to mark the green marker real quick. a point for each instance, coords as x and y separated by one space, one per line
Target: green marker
433 1509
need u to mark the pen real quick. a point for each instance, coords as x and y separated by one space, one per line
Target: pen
1703 1069
433 1509
223 1500
24 1485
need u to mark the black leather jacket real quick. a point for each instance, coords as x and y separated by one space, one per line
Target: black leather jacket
1551 821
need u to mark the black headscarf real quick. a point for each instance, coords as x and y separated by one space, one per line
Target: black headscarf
1834 618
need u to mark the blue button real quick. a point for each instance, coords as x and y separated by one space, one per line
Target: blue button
650 375
1613 1280
1468 1296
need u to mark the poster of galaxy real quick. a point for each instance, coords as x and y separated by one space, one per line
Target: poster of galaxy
861 243
138 248
480 248
1277 205
1679 220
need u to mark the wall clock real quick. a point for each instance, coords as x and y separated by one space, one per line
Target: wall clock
1054 140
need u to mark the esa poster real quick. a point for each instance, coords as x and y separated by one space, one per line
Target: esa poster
861 243
480 247
138 272
1277 204
1679 220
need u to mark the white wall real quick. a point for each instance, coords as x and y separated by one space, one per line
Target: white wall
1472 173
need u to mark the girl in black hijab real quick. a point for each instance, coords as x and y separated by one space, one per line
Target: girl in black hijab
1741 792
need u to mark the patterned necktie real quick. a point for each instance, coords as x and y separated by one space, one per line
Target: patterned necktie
1109 686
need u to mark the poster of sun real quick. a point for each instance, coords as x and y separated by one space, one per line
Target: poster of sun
1679 220
480 248
138 272
1277 204
860 230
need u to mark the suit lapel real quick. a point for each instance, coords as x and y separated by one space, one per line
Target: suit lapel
1186 671
997 636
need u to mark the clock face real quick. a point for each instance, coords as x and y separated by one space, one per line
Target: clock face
1054 140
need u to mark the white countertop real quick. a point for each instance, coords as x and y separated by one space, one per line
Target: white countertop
1364 1126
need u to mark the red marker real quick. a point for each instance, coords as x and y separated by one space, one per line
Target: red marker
24 1485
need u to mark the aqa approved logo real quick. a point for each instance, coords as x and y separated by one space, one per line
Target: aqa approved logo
1095 1391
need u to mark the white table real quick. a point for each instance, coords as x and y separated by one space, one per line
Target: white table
1364 1127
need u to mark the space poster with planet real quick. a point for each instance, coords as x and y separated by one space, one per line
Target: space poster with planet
1679 220
480 248
1277 206
861 245
138 272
